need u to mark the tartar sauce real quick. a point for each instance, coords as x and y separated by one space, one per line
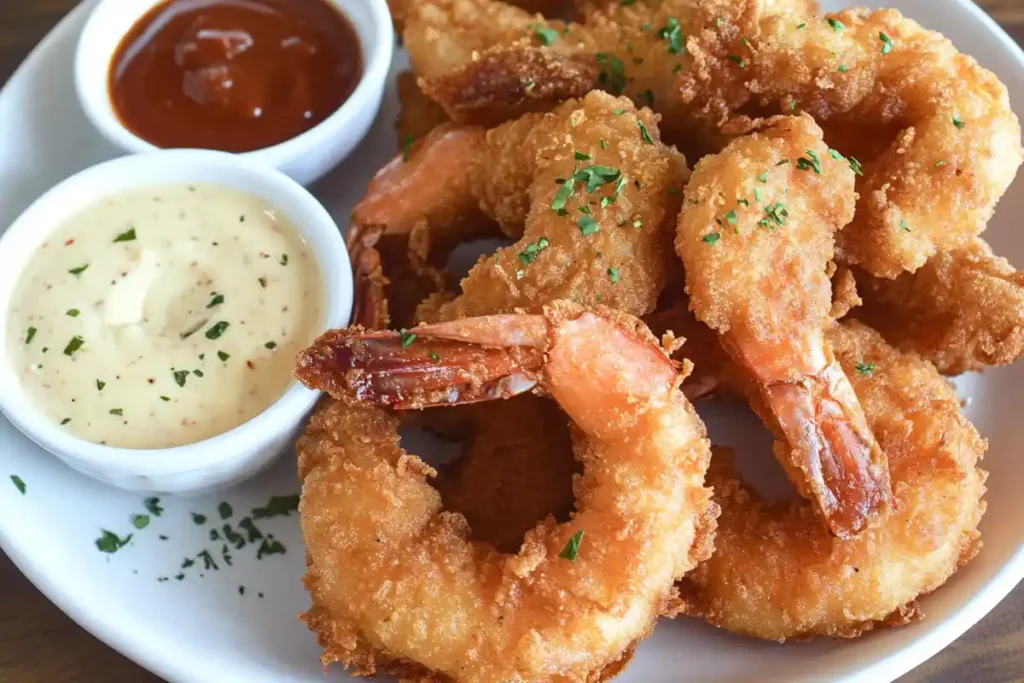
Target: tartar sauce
164 316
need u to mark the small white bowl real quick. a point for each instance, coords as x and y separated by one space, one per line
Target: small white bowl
305 157
220 460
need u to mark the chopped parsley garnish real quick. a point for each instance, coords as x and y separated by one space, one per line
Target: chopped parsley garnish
165 398
618 112
198 518
270 345
217 330
712 237
583 156
79 270
65 421
116 411
644 135
842 68
594 176
250 529
758 196
223 356
836 25
19 483
268 546
615 78
904 225
777 212
613 275
406 149
73 345
855 165
563 195
72 312
30 334
742 202
941 162
763 178
812 162
958 122
140 521
739 61
263 282
587 225
835 155
572 549
530 253
110 542
801 27
886 43
604 145
730 218
153 505
866 369
100 384
180 376
284 259
225 510
407 337
277 506
208 562
434 356
217 299
673 33
126 236
545 35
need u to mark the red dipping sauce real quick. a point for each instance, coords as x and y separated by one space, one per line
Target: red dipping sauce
233 75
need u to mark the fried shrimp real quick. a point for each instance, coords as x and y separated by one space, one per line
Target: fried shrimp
756 236
776 574
933 131
397 585
964 310
418 114
588 191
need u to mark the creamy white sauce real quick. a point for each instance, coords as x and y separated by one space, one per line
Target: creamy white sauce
192 305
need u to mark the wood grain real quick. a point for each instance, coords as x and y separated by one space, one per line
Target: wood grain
38 644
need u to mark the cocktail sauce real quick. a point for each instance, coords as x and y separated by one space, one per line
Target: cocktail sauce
233 75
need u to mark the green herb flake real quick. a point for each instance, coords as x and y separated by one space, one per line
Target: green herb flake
604 145
836 25
217 299
19 483
801 27
730 218
565 192
545 35
65 421
712 237
284 259
140 521
72 312
117 411
618 112
583 156
758 196
835 155
208 561
740 62
777 213
100 384
782 162
165 398
126 236
217 330
179 376
434 357
109 542
268 546
270 345
958 122
939 163
855 166
613 275
763 178
595 176
154 507
866 369
263 282
30 334
672 32
842 68
742 202
904 225
198 518
79 270
588 226
886 43
277 506
572 549
644 135
810 163
407 338
407 147
532 251
74 345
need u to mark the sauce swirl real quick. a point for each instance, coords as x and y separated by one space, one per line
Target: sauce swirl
164 316
233 75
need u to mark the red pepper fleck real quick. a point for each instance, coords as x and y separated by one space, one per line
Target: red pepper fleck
251 366
69 242
151 380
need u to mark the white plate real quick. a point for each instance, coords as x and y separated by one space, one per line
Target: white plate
202 629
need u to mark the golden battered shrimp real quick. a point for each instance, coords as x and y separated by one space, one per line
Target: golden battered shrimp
588 190
417 114
963 310
397 585
933 131
756 236
776 574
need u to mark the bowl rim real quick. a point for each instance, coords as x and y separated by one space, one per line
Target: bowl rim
93 94
21 240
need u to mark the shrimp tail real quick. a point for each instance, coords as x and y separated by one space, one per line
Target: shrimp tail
429 366
831 450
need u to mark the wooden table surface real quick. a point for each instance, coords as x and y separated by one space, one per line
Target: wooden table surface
38 644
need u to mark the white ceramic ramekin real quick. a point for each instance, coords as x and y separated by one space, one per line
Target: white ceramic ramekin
220 460
305 157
